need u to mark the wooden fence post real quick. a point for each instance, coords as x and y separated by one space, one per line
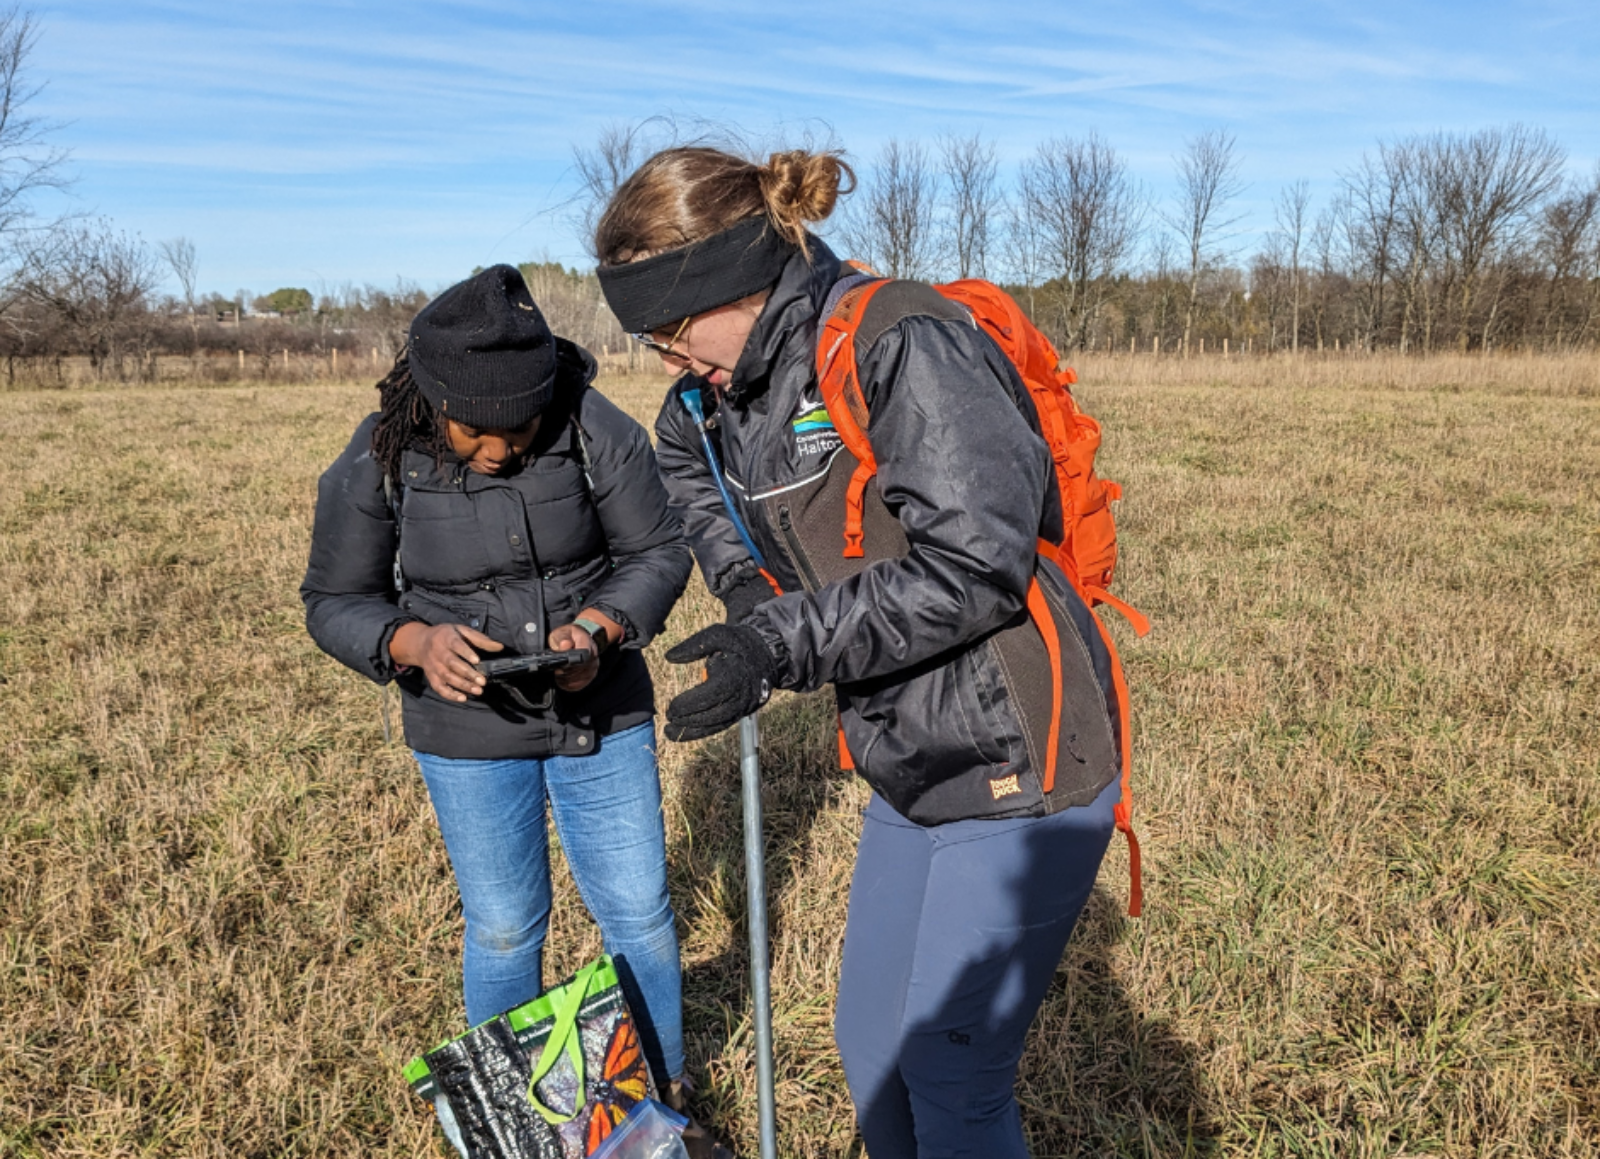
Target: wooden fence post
241 363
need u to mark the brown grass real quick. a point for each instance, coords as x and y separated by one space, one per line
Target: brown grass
1368 790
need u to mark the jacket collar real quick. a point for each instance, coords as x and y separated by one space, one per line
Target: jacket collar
786 330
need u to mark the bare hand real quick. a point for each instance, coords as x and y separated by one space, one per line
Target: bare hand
577 676
446 654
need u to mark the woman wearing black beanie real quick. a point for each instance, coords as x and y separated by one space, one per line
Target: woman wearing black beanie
495 505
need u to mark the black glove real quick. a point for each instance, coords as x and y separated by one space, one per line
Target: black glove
745 595
740 673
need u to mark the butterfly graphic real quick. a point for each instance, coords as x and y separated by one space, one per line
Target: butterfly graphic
622 1083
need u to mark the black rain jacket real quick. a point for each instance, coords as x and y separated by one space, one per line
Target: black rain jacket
513 556
943 682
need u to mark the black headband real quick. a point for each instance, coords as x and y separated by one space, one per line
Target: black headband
651 293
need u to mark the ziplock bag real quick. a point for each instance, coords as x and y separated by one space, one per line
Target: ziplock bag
650 1131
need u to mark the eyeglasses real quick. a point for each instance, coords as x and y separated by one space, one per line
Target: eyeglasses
665 349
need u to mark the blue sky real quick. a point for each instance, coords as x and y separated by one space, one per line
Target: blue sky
317 144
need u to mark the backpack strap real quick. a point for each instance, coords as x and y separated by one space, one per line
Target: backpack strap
394 494
1039 612
580 443
841 394
1123 810
859 310
578 447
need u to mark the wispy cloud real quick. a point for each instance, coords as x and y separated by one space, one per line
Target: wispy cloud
423 138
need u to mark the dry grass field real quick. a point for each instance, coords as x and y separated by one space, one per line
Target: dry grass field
1368 790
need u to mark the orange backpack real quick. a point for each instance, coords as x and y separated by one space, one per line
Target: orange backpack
1087 551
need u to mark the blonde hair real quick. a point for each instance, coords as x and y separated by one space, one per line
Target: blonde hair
684 195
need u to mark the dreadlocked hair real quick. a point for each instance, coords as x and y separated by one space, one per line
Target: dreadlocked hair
405 419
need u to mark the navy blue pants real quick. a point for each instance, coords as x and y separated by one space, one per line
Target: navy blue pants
954 934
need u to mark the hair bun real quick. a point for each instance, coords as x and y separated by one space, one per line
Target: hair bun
800 187
685 194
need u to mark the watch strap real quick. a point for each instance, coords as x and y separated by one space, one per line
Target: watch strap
596 632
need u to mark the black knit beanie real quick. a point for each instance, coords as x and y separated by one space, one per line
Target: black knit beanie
482 353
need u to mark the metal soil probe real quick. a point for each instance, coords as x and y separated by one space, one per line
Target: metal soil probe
760 982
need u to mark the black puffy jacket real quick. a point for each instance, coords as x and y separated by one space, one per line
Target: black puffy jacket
513 556
943 682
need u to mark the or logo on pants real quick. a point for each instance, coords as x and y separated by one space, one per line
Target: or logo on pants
1004 786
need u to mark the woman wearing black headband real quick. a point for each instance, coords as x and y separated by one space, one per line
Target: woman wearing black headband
972 866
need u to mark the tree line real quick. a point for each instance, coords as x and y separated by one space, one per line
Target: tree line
84 289
1457 241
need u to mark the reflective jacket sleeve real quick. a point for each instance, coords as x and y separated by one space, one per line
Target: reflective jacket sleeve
644 537
966 476
348 589
724 560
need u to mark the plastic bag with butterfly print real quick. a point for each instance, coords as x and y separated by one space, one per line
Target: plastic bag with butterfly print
551 1079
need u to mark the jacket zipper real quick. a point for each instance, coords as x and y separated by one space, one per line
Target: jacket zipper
786 525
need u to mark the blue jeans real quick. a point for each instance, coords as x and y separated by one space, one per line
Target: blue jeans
607 811
954 934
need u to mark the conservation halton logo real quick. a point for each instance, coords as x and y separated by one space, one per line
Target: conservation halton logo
814 433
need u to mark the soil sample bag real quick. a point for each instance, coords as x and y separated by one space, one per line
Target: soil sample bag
551 1079
650 1131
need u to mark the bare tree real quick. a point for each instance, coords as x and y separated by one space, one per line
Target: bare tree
1292 212
1162 272
1488 187
1367 216
1322 246
1568 247
891 224
1411 204
619 150
573 304
28 162
1088 211
1023 248
1271 281
375 317
179 255
973 191
96 281
1208 179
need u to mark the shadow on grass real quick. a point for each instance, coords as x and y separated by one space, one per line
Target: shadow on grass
1099 1076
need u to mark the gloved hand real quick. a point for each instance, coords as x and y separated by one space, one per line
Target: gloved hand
747 593
740 673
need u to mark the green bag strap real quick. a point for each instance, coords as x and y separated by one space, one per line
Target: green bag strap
564 1036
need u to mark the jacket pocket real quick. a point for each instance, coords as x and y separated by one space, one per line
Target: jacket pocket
1084 724
433 608
978 688
930 747
806 520
441 542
